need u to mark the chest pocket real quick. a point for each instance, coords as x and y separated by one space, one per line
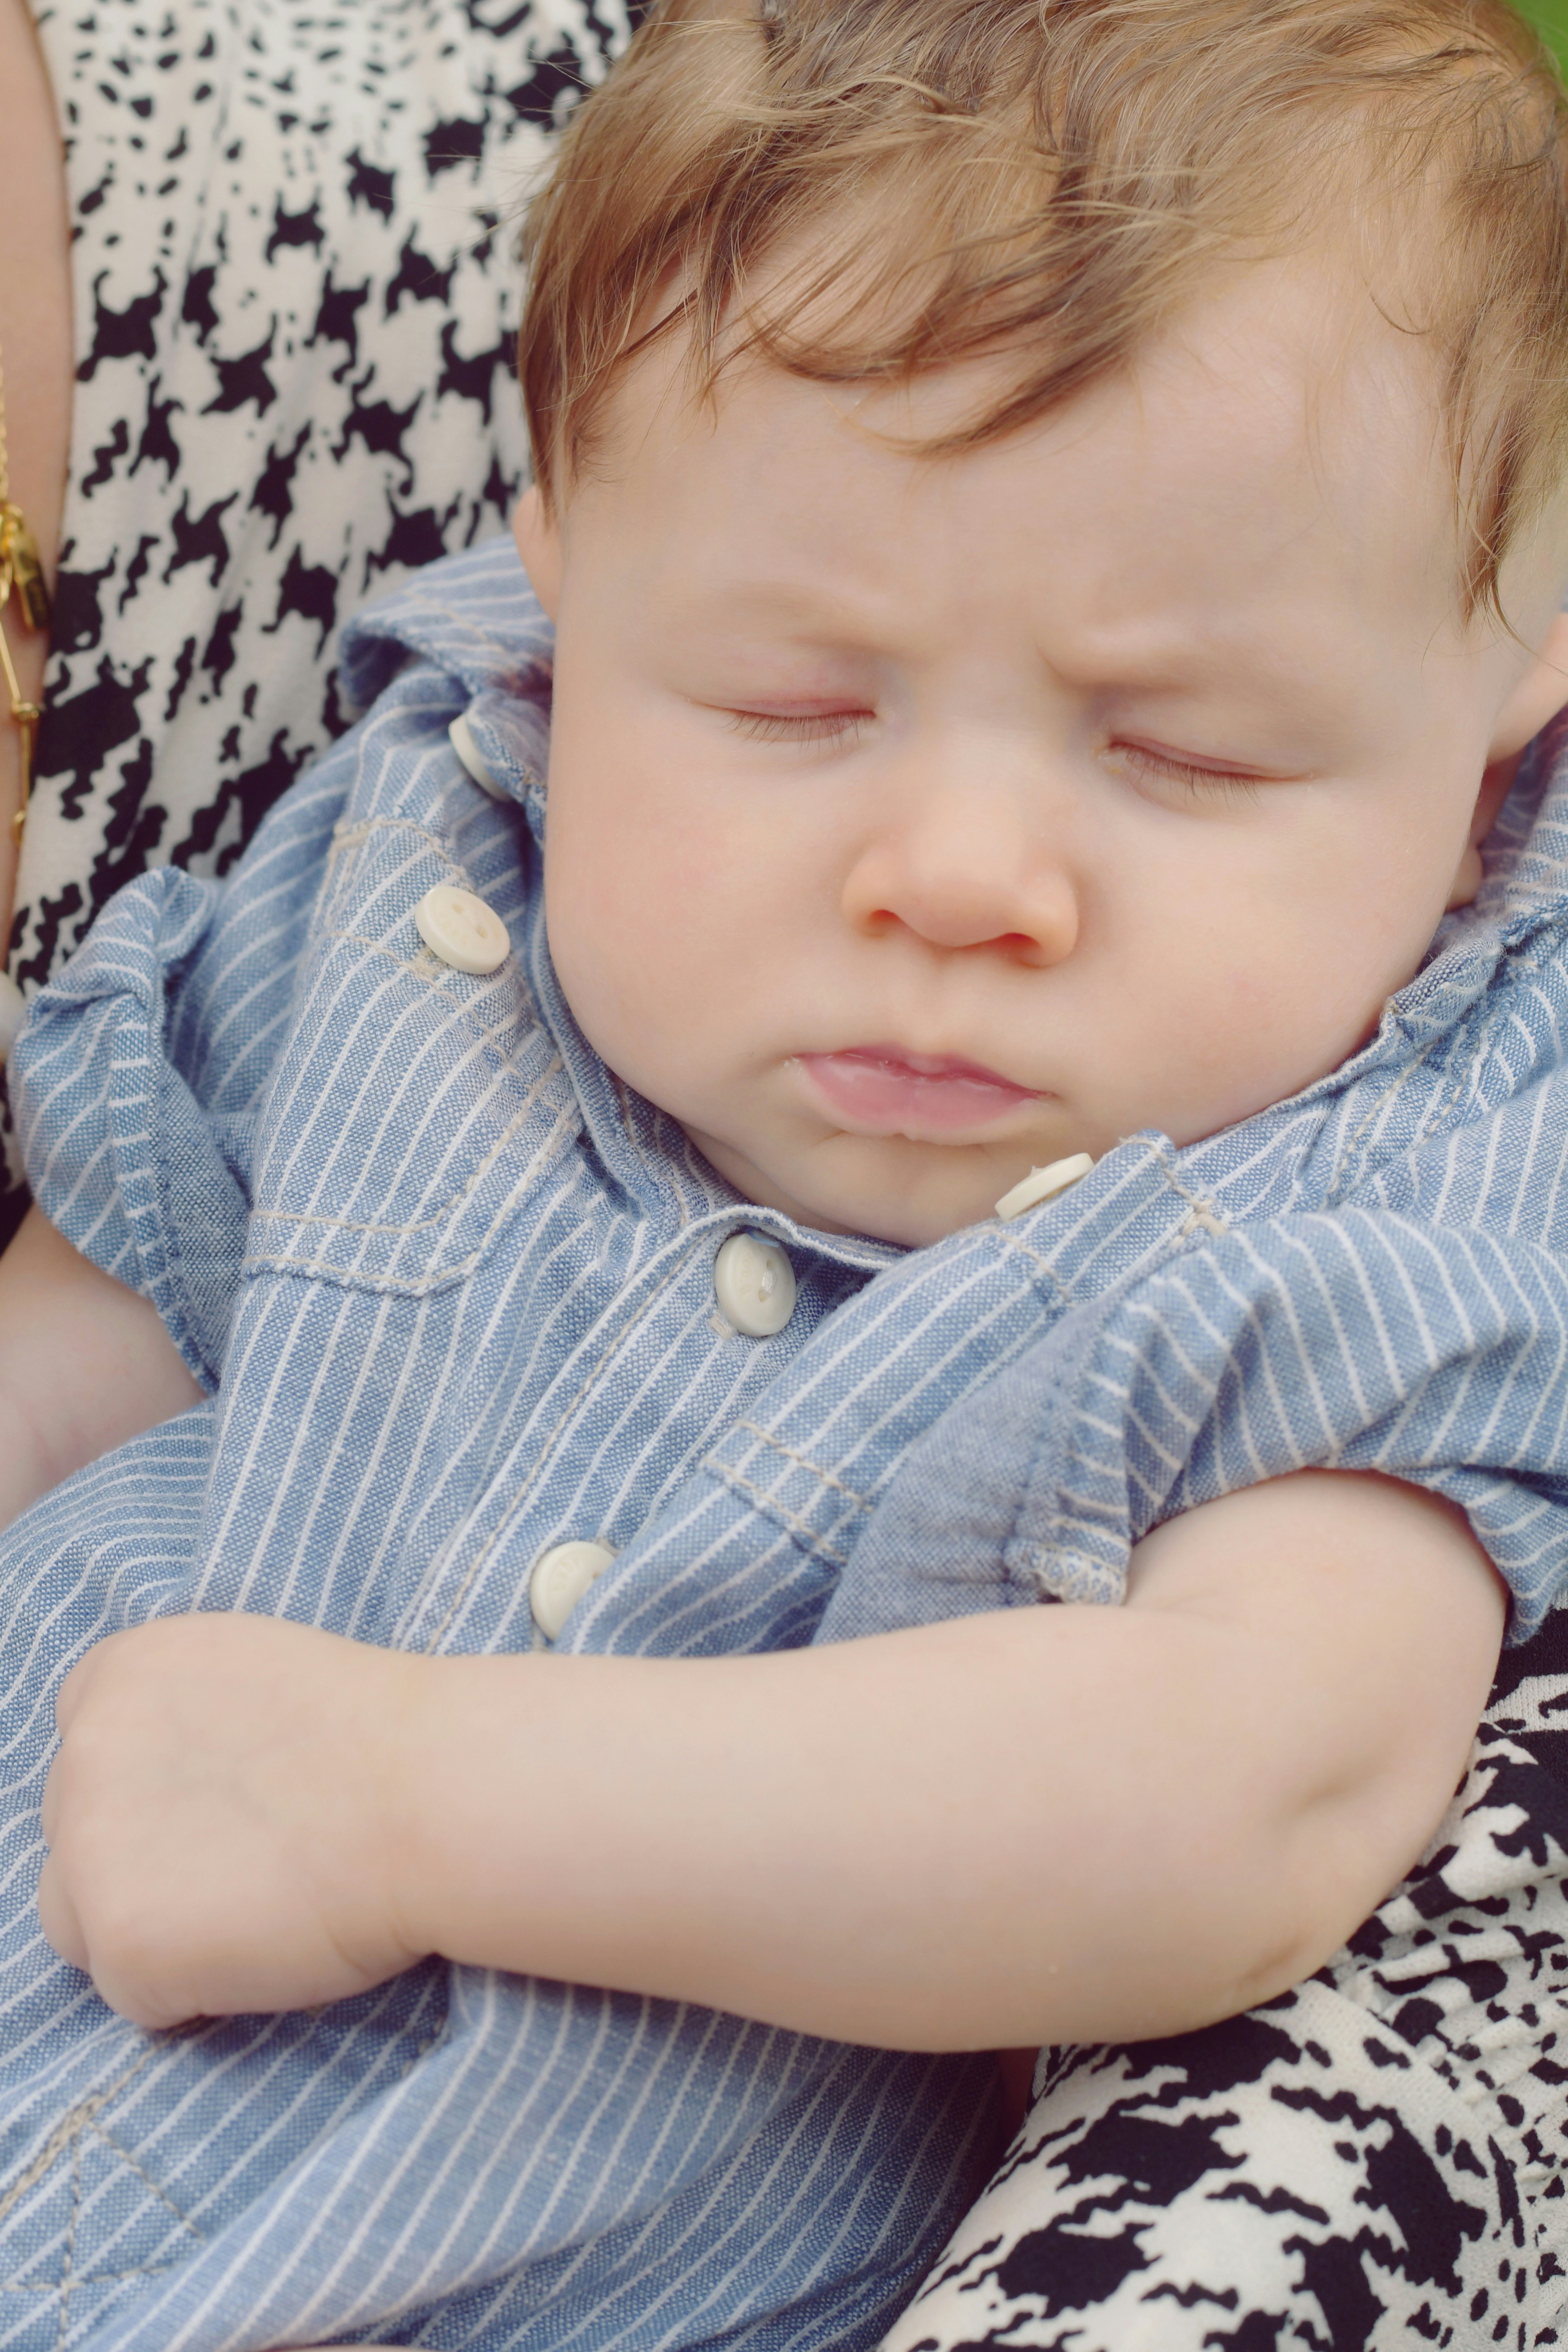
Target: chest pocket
415 1105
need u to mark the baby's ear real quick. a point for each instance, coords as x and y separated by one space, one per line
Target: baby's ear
538 535
1539 696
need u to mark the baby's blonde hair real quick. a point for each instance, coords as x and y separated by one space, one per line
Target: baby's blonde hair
1044 183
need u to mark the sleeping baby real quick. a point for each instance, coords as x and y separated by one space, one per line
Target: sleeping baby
820 1326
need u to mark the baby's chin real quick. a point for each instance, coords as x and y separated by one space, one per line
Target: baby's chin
884 1187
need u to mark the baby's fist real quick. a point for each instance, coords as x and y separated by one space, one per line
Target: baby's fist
224 1817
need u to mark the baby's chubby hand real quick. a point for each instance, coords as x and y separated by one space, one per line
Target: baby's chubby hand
224 1817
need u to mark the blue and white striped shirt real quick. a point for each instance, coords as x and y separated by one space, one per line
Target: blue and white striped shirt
451 1285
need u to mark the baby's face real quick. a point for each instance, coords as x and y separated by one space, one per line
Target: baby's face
913 823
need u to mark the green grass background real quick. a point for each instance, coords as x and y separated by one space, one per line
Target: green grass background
1552 17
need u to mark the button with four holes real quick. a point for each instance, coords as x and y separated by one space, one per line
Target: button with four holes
461 929
753 1282
561 1577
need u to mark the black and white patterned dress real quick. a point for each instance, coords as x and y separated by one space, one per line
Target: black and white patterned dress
295 295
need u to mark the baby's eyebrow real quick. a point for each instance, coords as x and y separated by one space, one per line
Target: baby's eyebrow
1205 635
1181 652
789 602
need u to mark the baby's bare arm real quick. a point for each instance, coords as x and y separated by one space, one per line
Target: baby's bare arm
1058 1824
84 1365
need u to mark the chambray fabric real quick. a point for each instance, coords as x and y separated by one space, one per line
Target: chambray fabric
449 1286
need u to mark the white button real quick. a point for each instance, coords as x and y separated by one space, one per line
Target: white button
461 929
561 1577
1044 1184
753 1282
13 1005
472 758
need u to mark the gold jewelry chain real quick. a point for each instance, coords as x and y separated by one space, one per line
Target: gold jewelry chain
20 571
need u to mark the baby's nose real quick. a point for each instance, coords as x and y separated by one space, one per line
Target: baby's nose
966 894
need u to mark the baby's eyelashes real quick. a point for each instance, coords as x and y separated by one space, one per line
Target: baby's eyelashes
803 726
1169 770
1150 765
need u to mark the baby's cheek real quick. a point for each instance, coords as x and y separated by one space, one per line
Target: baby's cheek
1201 1029
626 965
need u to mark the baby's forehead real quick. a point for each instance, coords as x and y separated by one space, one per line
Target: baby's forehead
1279 424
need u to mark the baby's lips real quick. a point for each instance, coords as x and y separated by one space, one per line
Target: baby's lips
888 1090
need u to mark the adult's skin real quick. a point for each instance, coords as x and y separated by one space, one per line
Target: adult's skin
36 341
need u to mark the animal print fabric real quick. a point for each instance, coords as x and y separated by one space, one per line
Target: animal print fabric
1376 2159
295 291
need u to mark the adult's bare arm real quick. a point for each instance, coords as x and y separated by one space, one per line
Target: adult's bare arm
85 1364
36 343
1037 1826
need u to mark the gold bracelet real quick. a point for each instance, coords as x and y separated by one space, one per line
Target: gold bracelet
19 570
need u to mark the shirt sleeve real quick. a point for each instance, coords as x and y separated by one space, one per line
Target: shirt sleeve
1356 1339
137 1079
